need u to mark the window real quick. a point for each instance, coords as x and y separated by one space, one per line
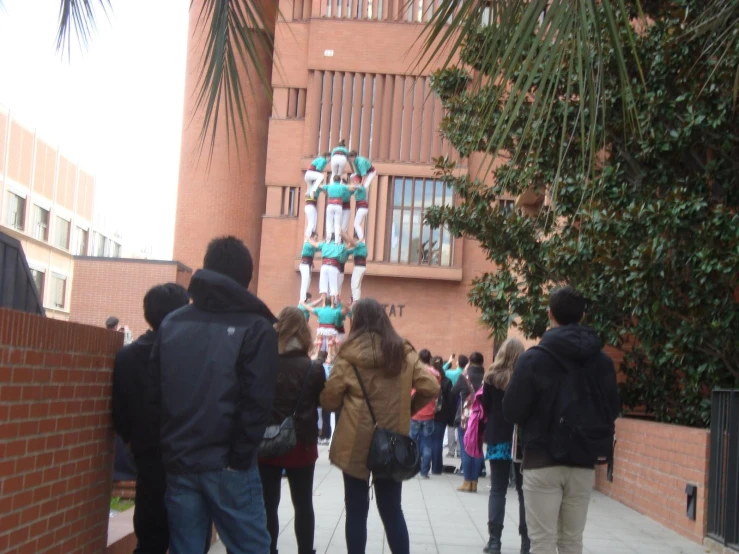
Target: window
40 223
61 232
410 239
38 278
292 104
116 250
16 211
290 199
80 248
506 206
58 290
98 245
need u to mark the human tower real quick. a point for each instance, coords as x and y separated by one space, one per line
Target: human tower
337 246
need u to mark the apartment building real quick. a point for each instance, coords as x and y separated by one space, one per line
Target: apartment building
48 203
343 69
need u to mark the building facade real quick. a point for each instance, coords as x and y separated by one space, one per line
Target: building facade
48 203
348 69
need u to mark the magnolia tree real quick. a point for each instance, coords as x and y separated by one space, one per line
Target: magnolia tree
650 235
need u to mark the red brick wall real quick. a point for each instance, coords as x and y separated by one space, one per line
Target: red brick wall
653 464
107 286
56 442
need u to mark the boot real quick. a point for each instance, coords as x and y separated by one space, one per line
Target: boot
525 543
473 486
466 487
493 546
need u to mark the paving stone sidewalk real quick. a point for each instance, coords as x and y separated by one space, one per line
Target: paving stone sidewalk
443 521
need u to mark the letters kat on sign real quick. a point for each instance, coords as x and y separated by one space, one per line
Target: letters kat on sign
394 310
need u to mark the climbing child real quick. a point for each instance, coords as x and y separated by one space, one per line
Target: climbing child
363 167
313 179
338 159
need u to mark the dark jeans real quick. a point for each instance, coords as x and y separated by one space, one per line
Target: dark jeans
232 499
300 480
326 429
150 513
357 501
471 467
421 432
437 448
499 472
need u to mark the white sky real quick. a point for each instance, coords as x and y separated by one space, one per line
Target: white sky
115 108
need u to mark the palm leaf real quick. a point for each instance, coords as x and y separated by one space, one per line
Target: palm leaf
535 44
77 17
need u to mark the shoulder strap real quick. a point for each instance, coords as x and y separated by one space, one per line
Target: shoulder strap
469 385
364 392
302 388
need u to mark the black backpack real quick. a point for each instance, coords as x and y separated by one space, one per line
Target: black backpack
582 426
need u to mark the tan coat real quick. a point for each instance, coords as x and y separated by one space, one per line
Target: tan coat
390 398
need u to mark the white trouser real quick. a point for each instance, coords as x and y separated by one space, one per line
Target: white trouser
357 276
346 215
338 163
313 179
333 222
311 219
305 276
359 222
369 178
329 280
340 281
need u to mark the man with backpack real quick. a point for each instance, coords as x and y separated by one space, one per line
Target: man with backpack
564 398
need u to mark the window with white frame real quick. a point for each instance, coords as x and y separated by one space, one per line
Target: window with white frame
58 290
410 240
16 214
61 232
38 278
80 248
40 223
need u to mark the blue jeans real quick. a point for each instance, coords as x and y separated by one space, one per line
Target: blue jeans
421 432
437 448
357 500
232 499
471 467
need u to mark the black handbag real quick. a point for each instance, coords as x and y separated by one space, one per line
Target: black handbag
280 439
392 455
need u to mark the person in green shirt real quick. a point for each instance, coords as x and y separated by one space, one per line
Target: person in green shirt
338 159
453 376
311 211
326 333
310 246
302 308
343 258
360 266
315 175
337 194
363 167
362 204
346 206
328 284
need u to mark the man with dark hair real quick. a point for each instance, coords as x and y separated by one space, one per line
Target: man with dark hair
111 323
564 398
213 371
129 394
422 422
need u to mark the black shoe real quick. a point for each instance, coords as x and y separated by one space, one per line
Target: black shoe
494 545
525 543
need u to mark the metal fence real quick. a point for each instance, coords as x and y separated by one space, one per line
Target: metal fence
723 477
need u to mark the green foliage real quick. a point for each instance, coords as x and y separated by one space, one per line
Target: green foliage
652 240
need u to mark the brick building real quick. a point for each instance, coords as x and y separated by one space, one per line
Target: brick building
343 69
48 204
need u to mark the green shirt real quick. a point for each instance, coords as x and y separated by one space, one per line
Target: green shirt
306 313
331 250
344 255
360 194
340 150
340 317
362 165
453 375
360 250
309 250
337 190
347 196
319 163
314 196
326 315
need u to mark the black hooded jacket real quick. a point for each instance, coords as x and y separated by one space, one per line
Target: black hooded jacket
214 368
530 396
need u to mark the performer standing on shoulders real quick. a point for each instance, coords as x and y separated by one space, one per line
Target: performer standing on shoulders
326 333
336 192
313 179
363 167
306 264
338 159
346 206
315 175
360 266
360 196
329 277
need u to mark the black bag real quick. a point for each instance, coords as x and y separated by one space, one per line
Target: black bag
582 427
280 439
392 455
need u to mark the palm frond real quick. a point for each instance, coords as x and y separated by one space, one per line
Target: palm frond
531 45
239 37
78 17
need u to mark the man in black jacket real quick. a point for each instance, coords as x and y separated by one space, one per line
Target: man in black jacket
214 373
557 490
129 382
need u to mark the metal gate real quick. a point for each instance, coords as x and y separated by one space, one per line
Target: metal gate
723 476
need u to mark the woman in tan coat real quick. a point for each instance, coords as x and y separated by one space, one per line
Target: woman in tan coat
390 370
